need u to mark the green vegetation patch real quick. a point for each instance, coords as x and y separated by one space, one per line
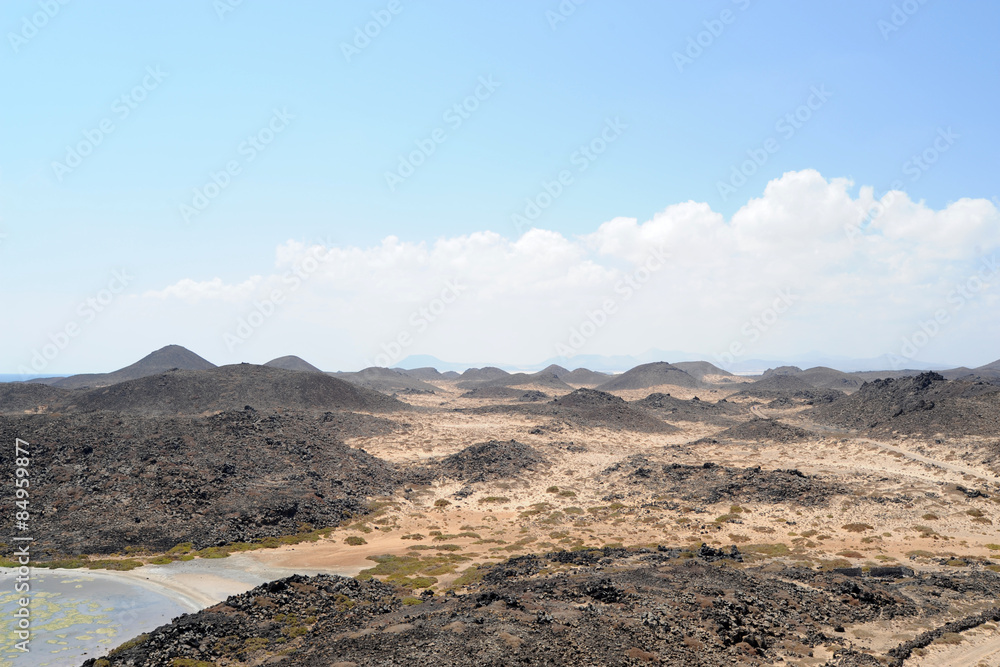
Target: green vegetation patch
470 575
767 550
435 547
132 643
412 572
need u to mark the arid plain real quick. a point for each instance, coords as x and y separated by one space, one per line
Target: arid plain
875 493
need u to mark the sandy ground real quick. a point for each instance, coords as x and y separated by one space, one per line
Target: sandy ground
905 490
978 648
919 478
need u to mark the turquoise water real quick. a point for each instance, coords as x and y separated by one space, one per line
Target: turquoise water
78 615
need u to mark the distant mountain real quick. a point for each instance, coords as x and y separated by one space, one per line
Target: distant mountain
955 373
386 380
781 384
292 363
619 362
742 366
580 376
171 357
989 372
992 366
781 370
232 388
584 377
483 374
650 375
700 369
823 377
541 378
428 373
416 361
819 377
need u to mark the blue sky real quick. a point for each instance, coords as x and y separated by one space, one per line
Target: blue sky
345 120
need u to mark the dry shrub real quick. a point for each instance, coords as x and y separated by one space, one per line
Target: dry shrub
857 527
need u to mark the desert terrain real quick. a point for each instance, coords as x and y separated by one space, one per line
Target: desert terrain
672 514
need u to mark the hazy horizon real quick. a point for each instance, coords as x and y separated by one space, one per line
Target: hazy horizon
607 364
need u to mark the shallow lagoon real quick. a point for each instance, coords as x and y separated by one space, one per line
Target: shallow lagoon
80 614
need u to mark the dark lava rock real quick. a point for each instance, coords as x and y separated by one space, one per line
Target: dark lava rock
923 404
711 483
787 387
230 388
589 408
650 375
710 554
589 398
494 391
891 572
490 460
671 408
763 429
115 481
20 397
675 612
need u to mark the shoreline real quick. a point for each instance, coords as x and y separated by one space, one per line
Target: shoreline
201 583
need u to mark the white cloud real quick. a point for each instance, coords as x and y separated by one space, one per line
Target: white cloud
193 291
858 291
